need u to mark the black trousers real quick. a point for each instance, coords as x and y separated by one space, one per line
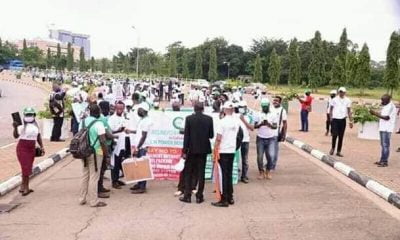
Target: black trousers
195 166
181 184
226 163
56 133
117 166
338 128
328 122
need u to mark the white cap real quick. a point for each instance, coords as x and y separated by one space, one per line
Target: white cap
145 106
242 103
342 89
333 92
228 105
74 84
128 102
202 99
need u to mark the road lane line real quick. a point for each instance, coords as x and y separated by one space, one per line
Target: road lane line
6 146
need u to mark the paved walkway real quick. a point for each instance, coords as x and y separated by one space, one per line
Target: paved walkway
358 153
301 202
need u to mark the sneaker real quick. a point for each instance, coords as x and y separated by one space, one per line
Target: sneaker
331 152
178 193
220 204
339 154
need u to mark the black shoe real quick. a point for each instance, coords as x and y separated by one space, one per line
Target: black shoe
331 152
135 187
103 195
138 191
377 163
383 164
121 183
199 200
185 199
116 185
339 154
220 204
244 180
104 190
231 201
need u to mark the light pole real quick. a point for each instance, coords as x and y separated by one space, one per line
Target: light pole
137 52
227 64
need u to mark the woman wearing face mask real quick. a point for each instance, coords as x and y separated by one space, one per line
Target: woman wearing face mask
28 134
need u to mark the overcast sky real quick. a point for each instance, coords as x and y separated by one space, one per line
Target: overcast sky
161 22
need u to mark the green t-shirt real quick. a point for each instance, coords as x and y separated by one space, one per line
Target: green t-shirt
95 131
104 120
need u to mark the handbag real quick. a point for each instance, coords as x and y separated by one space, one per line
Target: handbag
38 152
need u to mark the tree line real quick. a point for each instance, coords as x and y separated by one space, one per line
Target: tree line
313 63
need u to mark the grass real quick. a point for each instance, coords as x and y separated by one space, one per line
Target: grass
375 93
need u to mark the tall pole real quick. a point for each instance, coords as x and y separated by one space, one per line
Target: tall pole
137 52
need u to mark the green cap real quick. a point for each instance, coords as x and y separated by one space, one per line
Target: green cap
307 90
29 110
264 102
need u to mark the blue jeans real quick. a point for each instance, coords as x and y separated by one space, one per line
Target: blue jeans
385 144
141 153
268 147
275 159
304 120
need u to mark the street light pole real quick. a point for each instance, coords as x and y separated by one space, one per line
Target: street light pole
137 52
227 64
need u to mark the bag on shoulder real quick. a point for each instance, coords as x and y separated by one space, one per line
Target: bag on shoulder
80 146
239 138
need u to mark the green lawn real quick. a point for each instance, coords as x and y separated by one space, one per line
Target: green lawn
351 92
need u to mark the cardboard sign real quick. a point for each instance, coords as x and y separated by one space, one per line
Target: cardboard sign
137 169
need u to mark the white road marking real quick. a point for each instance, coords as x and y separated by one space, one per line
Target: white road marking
6 146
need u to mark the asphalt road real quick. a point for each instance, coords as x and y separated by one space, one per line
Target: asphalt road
16 97
302 201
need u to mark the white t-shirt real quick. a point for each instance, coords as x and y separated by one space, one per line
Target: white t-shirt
144 125
388 125
265 131
246 133
277 112
31 132
116 122
228 128
329 105
340 107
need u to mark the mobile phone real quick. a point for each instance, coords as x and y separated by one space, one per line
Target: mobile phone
16 118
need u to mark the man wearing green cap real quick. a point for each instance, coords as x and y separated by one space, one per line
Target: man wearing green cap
266 142
305 109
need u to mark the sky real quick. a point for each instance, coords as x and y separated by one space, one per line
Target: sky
159 23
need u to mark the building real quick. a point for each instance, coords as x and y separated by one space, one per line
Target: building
81 40
44 44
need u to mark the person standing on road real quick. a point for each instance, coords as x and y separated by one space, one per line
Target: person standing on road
199 129
328 107
280 132
117 125
27 135
139 147
305 110
246 123
225 144
56 106
267 140
91 173
387 123
340 109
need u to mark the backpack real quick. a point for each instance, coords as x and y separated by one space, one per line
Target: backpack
80 146
239 138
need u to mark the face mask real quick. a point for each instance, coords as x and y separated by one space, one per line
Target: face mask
29 119
140 114
242 110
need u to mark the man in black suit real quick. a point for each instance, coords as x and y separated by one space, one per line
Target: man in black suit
199 130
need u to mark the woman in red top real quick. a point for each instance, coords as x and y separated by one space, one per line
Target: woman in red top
305 109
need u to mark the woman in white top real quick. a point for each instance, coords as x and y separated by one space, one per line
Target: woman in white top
27 135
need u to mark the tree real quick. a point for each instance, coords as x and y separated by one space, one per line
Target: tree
257 75
363 76
343 59
82 60
127 64
337 71
294 63
212 69
49 59
104 65
70 57
1 43
391 79
92 64
172 62
59 64
316 70
185 66
24 46
198 72
274 68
